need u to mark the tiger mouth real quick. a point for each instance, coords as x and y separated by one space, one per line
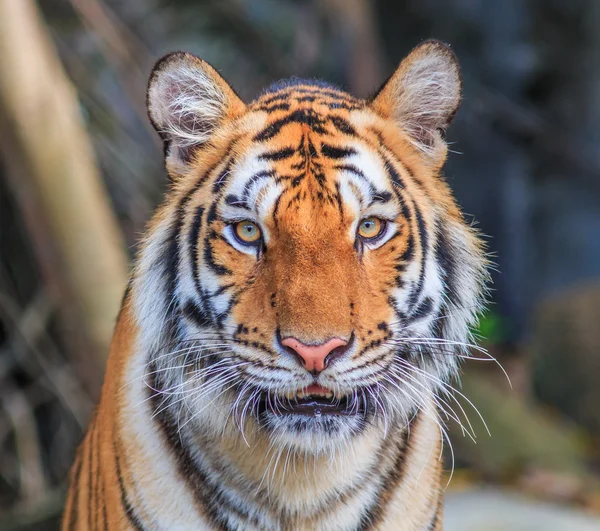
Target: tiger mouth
314 401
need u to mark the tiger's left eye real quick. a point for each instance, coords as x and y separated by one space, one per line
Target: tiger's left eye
247 232
370 228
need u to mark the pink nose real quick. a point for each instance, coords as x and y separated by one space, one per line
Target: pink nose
315 357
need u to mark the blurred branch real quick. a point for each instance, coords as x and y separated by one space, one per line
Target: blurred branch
32 481
258 43
127 54
25 516
520 122
50 149
30 327
356 22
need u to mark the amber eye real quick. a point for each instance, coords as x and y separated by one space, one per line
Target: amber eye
370 228
247 232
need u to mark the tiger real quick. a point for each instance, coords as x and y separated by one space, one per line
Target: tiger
297 308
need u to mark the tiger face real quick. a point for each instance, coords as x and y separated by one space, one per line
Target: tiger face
309 277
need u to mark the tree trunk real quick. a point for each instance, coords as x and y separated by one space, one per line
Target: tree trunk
52 170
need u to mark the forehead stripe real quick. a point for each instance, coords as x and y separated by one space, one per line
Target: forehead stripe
333 152
283 106
289 92
343 126
300 116
279 154
378 196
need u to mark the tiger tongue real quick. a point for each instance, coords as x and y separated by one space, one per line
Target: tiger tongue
316 389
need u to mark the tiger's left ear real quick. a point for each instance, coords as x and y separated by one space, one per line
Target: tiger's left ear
187 101
422 97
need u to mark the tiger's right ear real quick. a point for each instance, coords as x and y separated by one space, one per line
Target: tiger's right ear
187 101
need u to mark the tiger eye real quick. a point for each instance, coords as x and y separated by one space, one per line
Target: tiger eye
247 231
370 228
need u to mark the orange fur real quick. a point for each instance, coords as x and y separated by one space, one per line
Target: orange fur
150 457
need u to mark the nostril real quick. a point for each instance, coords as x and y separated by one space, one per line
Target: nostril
291 351
338 352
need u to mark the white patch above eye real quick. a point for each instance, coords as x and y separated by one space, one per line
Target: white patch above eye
370 165
359 194
252 193
388 211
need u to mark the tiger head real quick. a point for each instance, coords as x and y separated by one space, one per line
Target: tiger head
309 276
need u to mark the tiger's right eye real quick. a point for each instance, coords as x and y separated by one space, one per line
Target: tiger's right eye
247 232
371 228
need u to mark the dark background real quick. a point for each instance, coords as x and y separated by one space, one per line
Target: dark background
524 163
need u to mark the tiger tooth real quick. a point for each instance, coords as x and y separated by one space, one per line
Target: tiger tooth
300 395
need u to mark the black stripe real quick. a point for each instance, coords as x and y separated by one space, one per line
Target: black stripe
254 179
90 471
301 116
209 258
225 313
343 125
127 508
223 178
423 310
381 142
279 154
196 314
345 106
220 290
275 107
235 201
381 197
201 314
416 293
277 97
378 196
447 262
205 493
291 92
436 517
351 168
372 518
392 173
104 511
74 489
171 257
98 476
193 240
338 198
326 93
276 209
333 152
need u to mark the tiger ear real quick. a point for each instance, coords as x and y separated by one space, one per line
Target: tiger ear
422 97
187 100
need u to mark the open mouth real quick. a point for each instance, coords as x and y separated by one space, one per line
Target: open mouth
315 401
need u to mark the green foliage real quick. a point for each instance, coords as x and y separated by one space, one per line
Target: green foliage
491 328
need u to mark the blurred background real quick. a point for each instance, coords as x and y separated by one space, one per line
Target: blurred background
81 171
